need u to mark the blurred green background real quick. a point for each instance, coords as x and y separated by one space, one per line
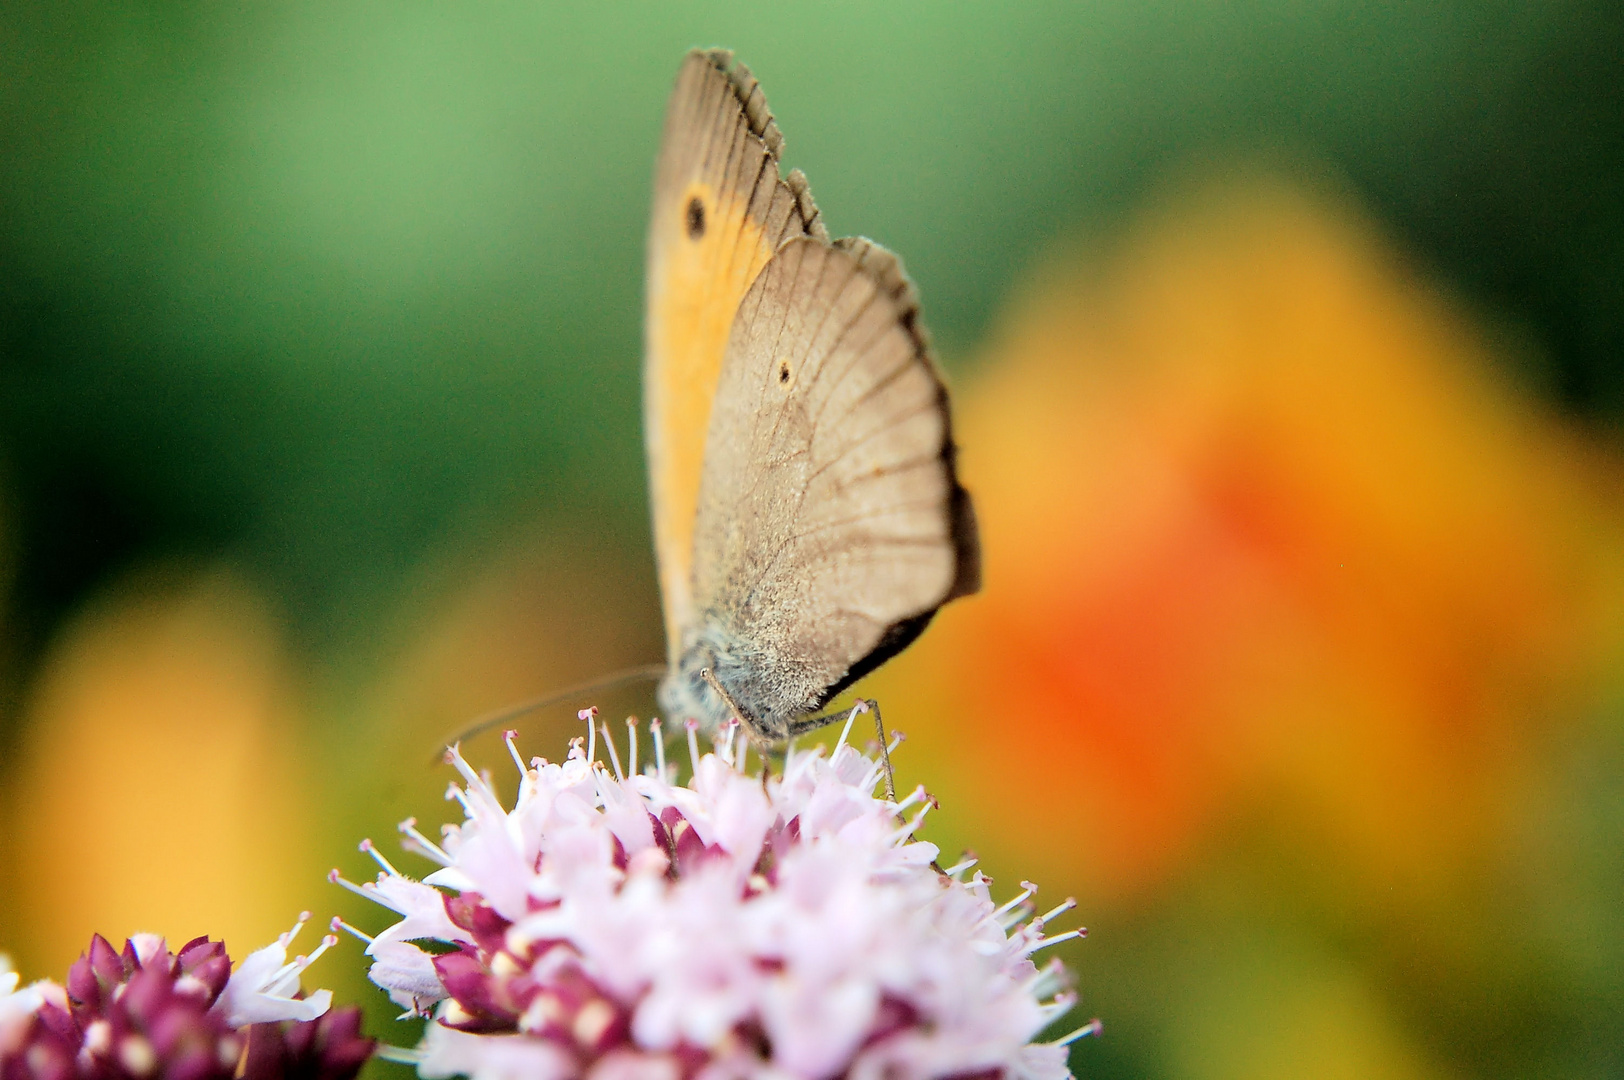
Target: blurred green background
319 433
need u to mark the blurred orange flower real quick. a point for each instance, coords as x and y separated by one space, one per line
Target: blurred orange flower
1264 533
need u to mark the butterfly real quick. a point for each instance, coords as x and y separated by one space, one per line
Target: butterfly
808 518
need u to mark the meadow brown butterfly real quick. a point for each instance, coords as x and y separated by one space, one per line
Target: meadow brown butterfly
808 521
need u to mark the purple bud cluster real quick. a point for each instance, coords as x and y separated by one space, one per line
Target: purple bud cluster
146 1012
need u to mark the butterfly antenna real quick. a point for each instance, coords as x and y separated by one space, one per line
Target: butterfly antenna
645 672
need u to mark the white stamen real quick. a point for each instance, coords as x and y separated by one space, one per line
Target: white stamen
1093 1027
301 962
693 743
400 1055
453 757
590 714
592 1021
359 890
1027 890
1060 1006
845 732
1057 939
287 936
724 740
917 794
284 981
1060 909
1017 915
1046 980
372 849
961 866
907 831
631 746
340 924
658 735
422 845
508 736
614 755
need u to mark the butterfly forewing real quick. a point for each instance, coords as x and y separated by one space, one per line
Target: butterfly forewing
720 211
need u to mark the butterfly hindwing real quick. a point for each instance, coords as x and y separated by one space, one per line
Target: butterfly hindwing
830 522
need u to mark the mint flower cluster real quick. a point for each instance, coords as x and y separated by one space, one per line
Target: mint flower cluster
615 925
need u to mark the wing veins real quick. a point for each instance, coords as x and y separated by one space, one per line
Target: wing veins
778 418
886 380
846 452
856 316
764 574
857 352
806 488
934 458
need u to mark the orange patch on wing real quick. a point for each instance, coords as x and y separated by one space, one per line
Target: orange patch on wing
695 285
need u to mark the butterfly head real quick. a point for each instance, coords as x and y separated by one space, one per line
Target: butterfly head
685 694
721 676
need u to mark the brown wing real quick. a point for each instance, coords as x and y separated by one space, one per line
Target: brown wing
720 211
831 524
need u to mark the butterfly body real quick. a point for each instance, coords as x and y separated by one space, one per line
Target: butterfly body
808 517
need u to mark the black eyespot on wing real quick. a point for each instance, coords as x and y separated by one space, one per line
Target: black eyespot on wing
696 218
783 371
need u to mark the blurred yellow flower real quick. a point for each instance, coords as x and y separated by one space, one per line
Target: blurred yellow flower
156 789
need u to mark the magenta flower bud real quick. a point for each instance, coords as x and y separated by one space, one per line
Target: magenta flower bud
146 1012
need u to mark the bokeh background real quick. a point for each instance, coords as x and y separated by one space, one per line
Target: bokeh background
1285 340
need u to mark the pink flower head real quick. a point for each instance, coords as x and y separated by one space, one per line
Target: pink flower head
617 926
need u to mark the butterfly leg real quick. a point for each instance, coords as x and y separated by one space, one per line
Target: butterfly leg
885 752
813 723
